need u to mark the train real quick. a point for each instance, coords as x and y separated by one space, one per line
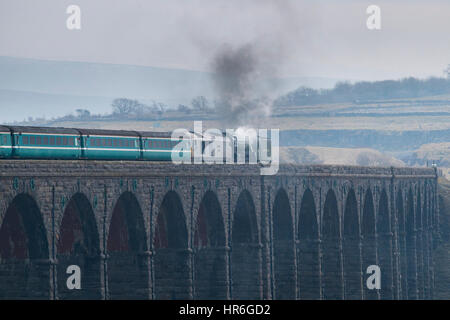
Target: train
26 142
68 143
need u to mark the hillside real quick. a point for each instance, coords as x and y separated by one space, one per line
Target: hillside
54 88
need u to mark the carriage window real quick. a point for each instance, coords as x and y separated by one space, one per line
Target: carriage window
149 144
109 142
52 141
45 140
58 141
5 140
32 140
38 140
24 140
65 142
116 144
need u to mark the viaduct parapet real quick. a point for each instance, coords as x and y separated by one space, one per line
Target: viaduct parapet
146 230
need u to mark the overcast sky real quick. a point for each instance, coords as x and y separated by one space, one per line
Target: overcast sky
324 38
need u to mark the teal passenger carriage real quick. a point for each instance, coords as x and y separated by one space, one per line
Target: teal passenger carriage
111 145
5 142
43 143
89 144
64 143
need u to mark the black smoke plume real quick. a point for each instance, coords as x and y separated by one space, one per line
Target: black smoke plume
239 76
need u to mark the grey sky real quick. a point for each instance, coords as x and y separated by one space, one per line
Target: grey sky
307 38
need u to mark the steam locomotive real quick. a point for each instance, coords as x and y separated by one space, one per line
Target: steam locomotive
21 142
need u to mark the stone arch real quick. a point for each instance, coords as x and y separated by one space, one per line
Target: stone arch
126 246
369 247
411 247
419 245
402 245
332 284
24 251
283 246
172 257
426 245
308 249
246 251
351 248
210 254
79 245
384 245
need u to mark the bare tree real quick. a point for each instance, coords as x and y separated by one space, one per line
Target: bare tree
125 106
83 113
200 103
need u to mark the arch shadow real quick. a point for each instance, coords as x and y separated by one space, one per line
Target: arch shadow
369 246
351 249
419 246
79 245
127 271
385 253
172 258
411 247
308 249
210 254
246 251
426 247
332 282
402 246
24 253
284 248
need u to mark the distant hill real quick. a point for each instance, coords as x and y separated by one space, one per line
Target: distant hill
19 105
35 88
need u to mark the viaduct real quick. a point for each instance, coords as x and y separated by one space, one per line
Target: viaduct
146 230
